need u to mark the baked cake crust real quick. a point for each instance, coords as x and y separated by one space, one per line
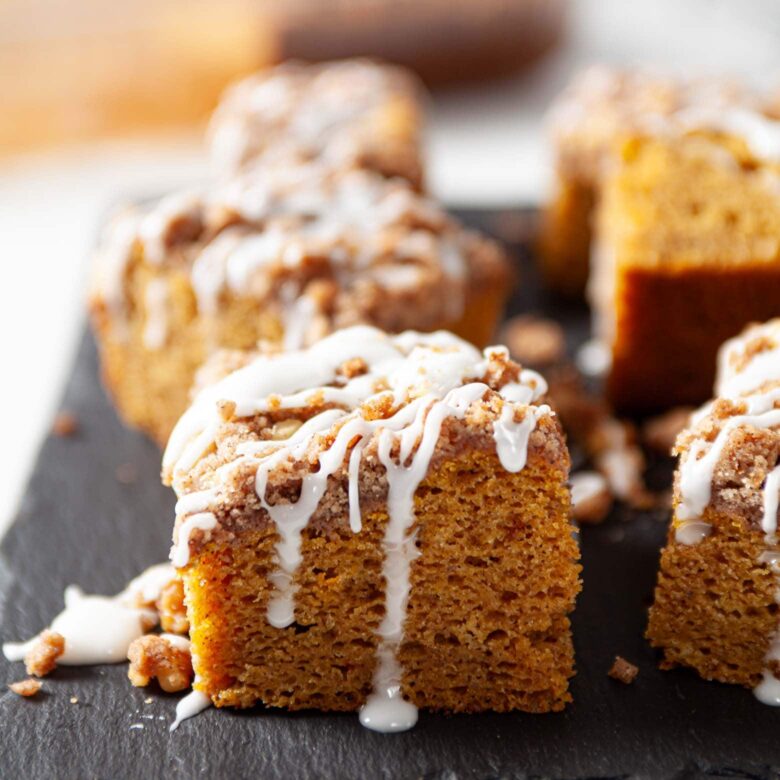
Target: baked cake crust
716 602
406 522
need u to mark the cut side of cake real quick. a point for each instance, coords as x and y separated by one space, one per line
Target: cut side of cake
283 255
377 523
345 114
587 125
716 603
669 204
687 254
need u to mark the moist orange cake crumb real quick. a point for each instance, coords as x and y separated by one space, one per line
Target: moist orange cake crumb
377 523
716 607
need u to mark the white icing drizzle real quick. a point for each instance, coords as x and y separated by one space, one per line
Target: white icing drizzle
586 485
760 133
304 110
428 378
771 500
98 629
201 521
743 369
746 364
155 332
698 467
361 229
191 705
594 358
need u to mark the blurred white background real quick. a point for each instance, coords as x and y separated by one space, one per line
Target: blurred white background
486 147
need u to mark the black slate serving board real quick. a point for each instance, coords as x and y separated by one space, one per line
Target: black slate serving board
79 524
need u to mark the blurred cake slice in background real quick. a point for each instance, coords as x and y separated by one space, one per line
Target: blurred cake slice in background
669 202
284 256
71 70
344 114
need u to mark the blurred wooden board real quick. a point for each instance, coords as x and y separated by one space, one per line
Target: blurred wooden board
79 524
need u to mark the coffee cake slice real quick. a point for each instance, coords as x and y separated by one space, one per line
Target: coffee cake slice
716 603
284 256
377 523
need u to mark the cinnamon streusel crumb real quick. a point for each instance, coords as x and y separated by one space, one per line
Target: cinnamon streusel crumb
42 658
153 657
65 424
535 341
623 671
660 433
26 688
170 605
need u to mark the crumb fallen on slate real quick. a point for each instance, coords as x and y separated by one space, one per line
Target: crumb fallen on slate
42 657
623 671
660 433
65 424
26 688
535 341
74 699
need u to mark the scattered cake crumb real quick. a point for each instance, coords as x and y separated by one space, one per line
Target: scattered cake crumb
74 699
170 606
660 433
65 424
623 671
535 341
148 700
153 657
590 497
26 688
42 657
126 473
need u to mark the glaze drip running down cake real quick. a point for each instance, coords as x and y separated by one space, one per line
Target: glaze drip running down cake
286 258
683 183
377 523
716 602
344 114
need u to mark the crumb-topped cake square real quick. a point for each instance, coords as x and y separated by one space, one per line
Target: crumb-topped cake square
378 523
285 256
716 603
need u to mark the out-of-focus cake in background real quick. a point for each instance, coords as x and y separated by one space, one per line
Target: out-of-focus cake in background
716 604
284 256
79 69
587 123
674 189
443 41
377 522
345 114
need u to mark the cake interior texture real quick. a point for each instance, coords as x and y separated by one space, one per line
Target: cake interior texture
716 603
688 254
464 609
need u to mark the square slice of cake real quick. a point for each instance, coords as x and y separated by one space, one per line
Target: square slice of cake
716 603
687 254
587 123
344 114
285 256
377 523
